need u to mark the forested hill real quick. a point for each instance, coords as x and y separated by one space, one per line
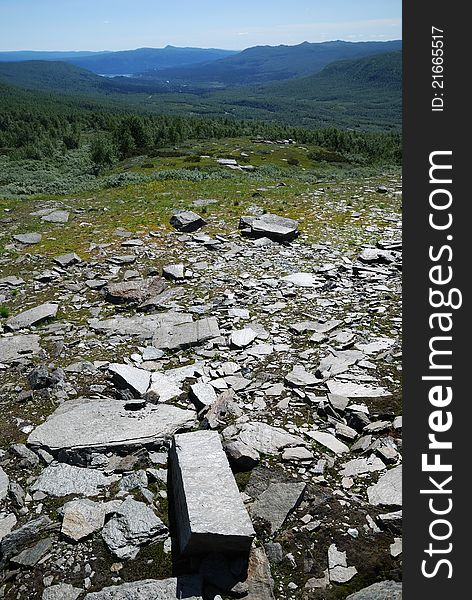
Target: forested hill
341 78
274 63
49 75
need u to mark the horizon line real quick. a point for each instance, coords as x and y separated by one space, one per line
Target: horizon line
210 47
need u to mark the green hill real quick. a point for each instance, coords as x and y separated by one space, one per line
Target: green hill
50 75
272 63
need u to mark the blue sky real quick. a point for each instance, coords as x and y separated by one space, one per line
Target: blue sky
237 24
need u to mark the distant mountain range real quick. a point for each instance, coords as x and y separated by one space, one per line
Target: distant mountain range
261 64
361 92
125 62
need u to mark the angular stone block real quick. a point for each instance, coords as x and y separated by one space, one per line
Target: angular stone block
210 513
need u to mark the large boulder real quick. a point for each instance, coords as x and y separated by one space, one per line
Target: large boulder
185 586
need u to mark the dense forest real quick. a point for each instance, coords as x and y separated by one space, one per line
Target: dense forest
36 125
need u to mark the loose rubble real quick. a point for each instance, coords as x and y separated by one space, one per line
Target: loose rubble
201 414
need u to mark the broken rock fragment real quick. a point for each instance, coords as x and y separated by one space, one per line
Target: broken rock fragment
133 526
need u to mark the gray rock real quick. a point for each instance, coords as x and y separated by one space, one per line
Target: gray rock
135 291
28 238
172 337
6 524
67 260
328 441
241 456
106 423
137 380
133 526
164 387
338 570
58 216
362 465
300 377
383 590
142 326
356 390
32 316
376 256
202 395
11 281
277 502
41 377
18 538
267 439
13 348
388 490
61 591
31 556
223 408
297 454
210 514
173 272
187 587
242 337
82 517
301 279
259 579
62 479
270 226
4 482
186 220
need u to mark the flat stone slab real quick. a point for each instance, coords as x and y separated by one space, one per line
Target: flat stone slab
356 390
300 377
267 439
210 513
137 380
188 587
301 279
62 479
13 348
242 337
6 524
106 423
277 502
61 591
383 590
57 216
142 326
328 441
135 291
32 316
388 490
270 226
4 481
28 238
184 335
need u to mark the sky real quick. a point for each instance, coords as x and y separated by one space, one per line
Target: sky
126 24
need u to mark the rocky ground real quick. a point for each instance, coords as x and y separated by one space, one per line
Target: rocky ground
289 350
